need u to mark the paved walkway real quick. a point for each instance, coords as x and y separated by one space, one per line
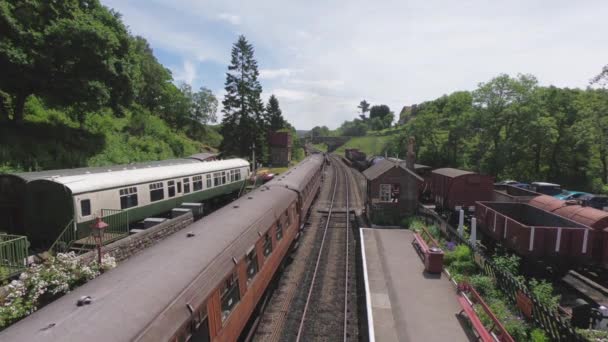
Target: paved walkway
407 304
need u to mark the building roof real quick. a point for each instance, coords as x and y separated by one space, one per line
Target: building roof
382 166
401 161
204 156
451 172
30 176
82 183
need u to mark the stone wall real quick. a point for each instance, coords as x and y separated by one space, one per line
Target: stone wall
131 245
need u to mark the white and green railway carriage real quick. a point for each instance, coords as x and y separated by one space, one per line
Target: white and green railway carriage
53 204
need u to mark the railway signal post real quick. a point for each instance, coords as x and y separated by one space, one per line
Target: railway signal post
98 228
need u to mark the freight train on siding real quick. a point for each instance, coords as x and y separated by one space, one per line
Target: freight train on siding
200 284
41 205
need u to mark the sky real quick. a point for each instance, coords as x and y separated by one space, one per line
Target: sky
321 58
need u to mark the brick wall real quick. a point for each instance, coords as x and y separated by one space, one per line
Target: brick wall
131 245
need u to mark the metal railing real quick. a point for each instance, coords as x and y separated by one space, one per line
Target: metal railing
65 239
118 224
13 254
556 327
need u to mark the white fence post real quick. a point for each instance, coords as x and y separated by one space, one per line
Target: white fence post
461 223
473 237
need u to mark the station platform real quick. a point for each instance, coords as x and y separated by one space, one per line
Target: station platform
406 303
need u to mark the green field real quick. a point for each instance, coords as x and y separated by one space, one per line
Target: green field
370 145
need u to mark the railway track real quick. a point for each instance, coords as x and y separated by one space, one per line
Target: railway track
316 299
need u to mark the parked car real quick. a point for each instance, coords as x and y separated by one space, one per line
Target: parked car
521 185
550 189
595 201
571 195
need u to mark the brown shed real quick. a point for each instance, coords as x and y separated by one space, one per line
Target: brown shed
392 191
280 148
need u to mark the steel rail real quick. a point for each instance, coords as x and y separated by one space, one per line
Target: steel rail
314 275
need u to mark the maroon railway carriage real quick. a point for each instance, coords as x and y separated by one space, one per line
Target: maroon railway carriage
455 189
199 284
531 231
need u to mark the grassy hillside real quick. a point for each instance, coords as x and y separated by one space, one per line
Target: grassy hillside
375 143
51 139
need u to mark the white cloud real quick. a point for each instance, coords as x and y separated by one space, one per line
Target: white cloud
231 18
266 74
392 52
186 73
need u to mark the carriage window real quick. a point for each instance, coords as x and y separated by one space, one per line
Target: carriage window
230 295
179 187
279 230
237 175
223 177
128 198
217 179
231 176
85 207
171 188
288 216
209 185
267 244
252 265
186 185
197 183
157 192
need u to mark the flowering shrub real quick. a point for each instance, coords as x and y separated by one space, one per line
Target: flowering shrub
41 283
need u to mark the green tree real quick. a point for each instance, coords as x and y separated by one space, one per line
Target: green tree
364 108
379 111
274 114
67 52
242 125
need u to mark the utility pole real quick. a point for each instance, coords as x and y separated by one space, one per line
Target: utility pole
253 160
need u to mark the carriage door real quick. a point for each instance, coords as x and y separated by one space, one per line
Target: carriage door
179 187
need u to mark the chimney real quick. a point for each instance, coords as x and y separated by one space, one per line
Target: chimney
411 156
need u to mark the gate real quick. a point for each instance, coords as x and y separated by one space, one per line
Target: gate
118 224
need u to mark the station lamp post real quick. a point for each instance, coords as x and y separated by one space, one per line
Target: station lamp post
97 230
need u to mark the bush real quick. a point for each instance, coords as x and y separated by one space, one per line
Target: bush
508 263
543 291
484 285
466 267
538 335
40 283
460 253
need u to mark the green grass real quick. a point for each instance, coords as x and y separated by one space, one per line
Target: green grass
370 145
320 147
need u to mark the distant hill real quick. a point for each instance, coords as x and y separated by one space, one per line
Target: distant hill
302 133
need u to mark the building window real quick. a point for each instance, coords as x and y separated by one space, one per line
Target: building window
230 295
208 178
279 230
186 185
157 192
385 192
267 244
389 193
217 179
197 183
128 198
171 188
85 207
252 264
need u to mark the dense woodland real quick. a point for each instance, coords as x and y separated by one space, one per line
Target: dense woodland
78 89
509 127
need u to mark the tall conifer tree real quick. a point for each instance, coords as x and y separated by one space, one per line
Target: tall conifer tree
274 114
243 122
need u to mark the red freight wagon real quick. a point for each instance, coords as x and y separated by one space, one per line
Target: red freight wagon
591 217
531 231
454 189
